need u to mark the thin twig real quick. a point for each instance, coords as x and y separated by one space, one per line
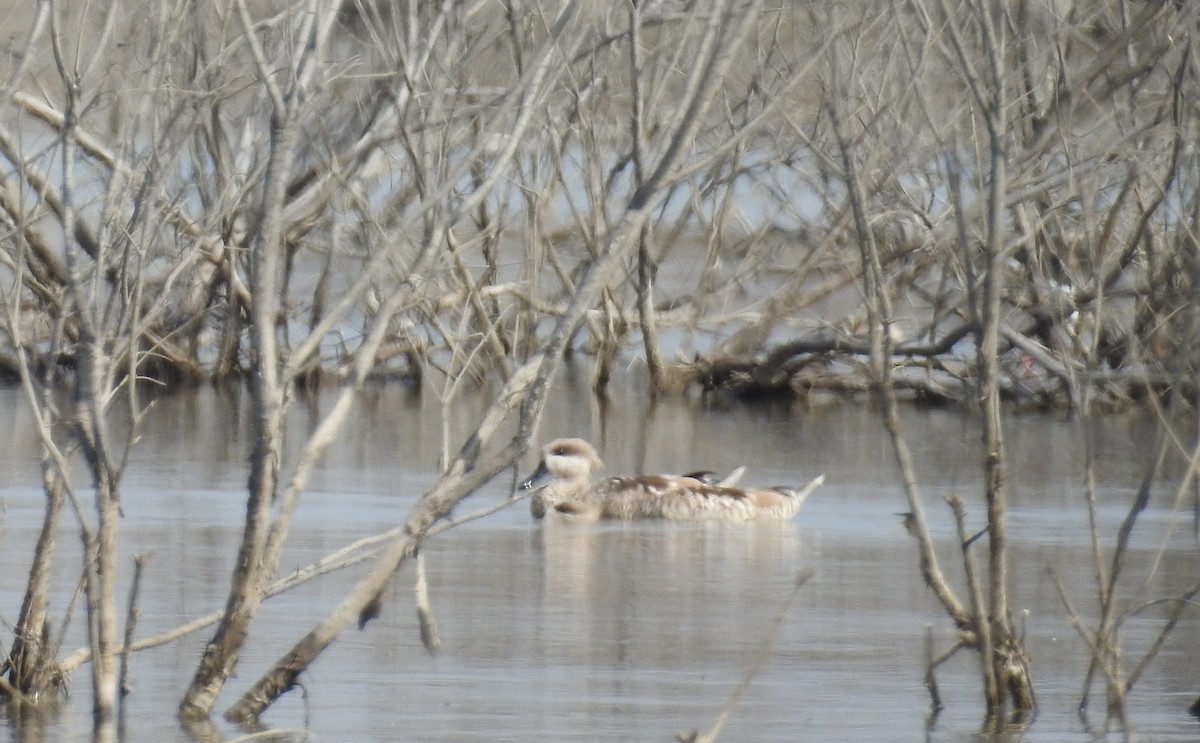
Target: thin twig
760 661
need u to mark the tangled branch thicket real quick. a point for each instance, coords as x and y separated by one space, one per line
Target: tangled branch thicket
449 184
920 195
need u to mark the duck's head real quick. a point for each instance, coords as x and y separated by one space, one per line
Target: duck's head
565 459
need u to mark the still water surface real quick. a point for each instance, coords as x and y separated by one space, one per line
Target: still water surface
620 632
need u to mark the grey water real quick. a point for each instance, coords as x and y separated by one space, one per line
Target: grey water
628 632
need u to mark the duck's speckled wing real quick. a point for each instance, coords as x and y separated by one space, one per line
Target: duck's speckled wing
689 499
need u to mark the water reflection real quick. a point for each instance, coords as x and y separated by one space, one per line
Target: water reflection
615 631
712 586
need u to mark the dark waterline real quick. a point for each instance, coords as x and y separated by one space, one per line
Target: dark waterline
623 632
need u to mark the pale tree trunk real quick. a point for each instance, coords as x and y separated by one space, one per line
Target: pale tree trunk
31 658
251 573
647 267
1007 679
254 569
93 390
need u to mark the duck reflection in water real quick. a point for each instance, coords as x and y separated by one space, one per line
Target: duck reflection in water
569 465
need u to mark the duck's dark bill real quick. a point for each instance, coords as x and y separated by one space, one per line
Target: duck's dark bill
538 475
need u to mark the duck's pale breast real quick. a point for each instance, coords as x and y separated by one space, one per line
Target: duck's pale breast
574 511
565 497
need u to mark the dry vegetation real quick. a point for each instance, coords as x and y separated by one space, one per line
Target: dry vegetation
958 201
447 180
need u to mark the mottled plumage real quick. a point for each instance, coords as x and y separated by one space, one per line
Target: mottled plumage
571 493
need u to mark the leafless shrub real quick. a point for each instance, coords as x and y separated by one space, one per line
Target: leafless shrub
1017 177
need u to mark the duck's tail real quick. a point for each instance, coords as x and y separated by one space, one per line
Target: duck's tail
796 497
